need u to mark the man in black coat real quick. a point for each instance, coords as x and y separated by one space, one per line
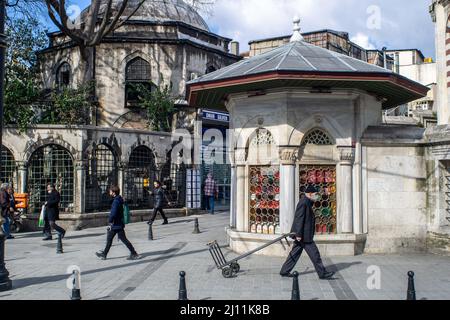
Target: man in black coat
159 198
303 229
52 213
117 226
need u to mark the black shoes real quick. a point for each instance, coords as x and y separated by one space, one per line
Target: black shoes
149 222
287 275
101 255
10 237
134 256
165 222
48 238
326 276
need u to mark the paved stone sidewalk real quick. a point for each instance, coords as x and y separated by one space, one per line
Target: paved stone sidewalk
39 273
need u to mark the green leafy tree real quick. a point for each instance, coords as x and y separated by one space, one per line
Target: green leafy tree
158 103
69 106
25 37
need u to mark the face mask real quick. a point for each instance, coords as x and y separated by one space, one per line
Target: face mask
315 197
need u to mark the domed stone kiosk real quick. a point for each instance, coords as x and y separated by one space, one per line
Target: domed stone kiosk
298 115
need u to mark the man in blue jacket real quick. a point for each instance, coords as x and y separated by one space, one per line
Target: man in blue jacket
117 226
303 229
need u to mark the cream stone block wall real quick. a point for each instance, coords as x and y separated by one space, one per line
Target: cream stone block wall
397 199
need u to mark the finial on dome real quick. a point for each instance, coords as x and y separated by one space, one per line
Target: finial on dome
296 36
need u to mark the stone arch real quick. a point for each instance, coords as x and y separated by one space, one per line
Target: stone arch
102 171
261 146
242 138
319 134
128 59
29 151
139 174
317 121
59 62
52 163
8 172
11 149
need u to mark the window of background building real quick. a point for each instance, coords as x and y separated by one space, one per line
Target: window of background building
137 73
63 76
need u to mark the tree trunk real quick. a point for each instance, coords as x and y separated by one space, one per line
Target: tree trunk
87 64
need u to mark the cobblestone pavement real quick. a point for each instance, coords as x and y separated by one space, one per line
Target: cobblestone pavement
39 273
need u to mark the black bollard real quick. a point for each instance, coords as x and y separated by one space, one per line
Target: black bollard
182 293
295 287
5 282
411 294
76 292
59 246
196 228
150 231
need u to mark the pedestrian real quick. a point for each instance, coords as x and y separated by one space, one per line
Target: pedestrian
12 210
5 202
117 226
159 197
303 229
52 213
211 191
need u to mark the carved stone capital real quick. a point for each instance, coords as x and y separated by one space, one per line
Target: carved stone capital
81 165
22 165
122 165
288 155
347 155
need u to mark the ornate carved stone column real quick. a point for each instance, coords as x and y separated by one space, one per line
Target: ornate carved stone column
22 172
122 166
240 191
288 157
80 187
345 187
233 197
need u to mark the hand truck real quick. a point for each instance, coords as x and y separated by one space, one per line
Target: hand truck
232 267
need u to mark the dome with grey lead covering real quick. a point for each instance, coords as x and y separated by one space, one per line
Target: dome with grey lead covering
156 11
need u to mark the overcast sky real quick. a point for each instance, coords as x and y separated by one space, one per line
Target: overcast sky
396 24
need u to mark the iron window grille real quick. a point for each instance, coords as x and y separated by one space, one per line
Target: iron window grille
324 179
8 173
138 72
63 76
264 199
102 172
140 174
173 177
51 164
317 137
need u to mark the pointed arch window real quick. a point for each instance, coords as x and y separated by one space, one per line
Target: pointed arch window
317 137
262 137
63 76
137 72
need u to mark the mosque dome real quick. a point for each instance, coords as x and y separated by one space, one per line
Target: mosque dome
157 11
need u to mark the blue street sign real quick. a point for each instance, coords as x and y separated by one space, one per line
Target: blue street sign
216 116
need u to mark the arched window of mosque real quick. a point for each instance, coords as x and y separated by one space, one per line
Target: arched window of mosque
63 76
317 137
210 69
137 78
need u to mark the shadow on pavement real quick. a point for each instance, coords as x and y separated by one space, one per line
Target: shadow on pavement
25 282
341 266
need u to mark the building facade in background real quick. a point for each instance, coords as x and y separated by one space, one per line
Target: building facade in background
163 43
440 13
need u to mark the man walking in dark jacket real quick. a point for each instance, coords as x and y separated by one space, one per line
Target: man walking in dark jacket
52 213
303 228
159 197
117 226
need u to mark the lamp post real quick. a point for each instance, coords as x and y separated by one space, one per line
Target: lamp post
5 282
